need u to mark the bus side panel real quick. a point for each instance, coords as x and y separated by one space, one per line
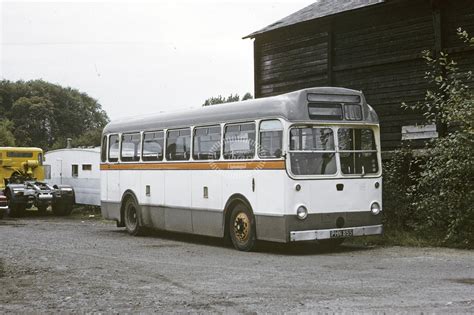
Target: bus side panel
103 186
110 206
269 210
178 215
238 182
151 197
206 195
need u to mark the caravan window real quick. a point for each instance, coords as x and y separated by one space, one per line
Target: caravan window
75 170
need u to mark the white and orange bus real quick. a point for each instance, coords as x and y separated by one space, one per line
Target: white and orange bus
295 167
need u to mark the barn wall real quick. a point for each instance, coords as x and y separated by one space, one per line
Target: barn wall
376 50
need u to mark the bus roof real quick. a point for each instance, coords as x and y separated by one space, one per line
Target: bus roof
291 106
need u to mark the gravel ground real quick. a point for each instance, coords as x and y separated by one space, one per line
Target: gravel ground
86 265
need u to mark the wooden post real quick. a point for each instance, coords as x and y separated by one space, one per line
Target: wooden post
330 53
438 47
256 71
437 27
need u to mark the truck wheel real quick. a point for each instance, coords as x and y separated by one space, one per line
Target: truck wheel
131 213
62 208
17 210
42 209
242 228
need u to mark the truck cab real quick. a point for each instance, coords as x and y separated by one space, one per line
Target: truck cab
22 183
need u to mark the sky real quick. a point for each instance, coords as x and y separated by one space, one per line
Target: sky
137 57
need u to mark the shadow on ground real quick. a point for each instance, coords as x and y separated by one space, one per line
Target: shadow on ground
290 249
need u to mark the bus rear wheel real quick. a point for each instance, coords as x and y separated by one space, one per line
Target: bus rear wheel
242 228
130 216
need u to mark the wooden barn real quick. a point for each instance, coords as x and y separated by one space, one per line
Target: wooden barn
370 45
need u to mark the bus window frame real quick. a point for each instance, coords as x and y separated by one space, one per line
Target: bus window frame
255 155
104 151
137 158
335 127
193 134
190 158
116 160
377 151
258 143
163 151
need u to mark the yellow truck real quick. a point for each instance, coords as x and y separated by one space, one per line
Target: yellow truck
22 183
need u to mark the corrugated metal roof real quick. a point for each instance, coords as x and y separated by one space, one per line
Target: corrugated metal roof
317 10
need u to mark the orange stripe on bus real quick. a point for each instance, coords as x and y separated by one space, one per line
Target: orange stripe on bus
256 165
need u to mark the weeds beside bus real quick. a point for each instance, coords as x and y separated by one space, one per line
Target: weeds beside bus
301 166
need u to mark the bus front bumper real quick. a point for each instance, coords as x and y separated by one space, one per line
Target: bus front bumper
310 235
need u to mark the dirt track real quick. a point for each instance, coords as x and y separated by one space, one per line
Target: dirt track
65 264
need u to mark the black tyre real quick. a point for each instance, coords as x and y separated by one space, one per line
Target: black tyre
131 217
17 210
42 209
62 208
242 228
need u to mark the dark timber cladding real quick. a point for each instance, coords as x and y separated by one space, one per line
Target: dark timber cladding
369 45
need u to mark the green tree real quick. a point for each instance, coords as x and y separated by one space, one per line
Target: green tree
34 121
247 96
231 98
6 136
46 114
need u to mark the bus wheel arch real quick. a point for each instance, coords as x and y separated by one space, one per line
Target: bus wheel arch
238 209
128 206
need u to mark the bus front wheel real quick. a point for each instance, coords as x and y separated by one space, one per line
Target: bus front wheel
242 228
131 213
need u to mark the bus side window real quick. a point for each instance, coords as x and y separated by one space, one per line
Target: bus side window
103 153
271 135
239 141
130 147
153 146
178 145
207 143
113 148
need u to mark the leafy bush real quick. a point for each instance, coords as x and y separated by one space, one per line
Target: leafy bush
438 202
397 179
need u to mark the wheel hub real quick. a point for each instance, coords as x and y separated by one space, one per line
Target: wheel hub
132 216
241 227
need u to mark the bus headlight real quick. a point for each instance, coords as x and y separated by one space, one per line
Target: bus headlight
375 208
301 212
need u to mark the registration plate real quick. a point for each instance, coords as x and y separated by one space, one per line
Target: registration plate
341 233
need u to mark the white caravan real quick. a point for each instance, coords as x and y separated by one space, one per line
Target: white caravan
77 167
